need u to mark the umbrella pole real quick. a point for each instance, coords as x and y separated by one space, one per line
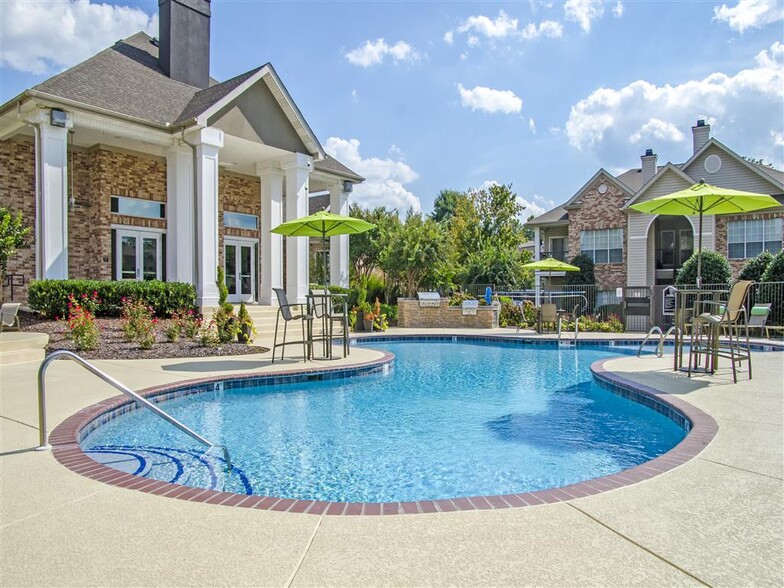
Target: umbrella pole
324 260
699 250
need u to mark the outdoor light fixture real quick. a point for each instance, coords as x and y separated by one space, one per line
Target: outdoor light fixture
58 118
348 186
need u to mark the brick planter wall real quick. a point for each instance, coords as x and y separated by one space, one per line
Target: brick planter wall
411 315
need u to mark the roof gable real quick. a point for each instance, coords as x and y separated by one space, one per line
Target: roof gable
735 172
667 180
576 200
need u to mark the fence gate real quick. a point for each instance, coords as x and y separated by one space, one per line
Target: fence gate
637 308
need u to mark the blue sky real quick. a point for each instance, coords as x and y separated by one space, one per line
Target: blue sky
423 96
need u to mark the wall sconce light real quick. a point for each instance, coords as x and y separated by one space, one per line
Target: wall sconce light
58 118
348 186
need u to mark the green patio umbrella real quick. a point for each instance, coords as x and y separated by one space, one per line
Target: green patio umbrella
550 265
704 199
323 224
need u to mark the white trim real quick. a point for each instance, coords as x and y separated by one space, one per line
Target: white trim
245 239
137 227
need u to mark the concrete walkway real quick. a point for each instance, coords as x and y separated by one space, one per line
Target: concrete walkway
717 520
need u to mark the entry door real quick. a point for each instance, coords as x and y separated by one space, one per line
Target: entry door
139 255
239 265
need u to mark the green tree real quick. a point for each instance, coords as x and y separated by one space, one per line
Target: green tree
365 249
755 268
586 273
444 205
771 288
528 232
715 269
502 267
14 235
418 255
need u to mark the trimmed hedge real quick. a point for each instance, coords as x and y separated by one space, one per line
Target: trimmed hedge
50 297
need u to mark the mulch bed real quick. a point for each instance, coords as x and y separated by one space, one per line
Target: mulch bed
114 346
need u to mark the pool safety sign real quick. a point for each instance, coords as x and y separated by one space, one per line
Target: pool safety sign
470 307
668 300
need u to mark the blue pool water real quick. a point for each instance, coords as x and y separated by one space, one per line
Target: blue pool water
450 419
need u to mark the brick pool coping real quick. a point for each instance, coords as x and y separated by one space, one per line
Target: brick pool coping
701 429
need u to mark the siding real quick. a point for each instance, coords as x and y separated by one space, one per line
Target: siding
667 184
732 174
637 245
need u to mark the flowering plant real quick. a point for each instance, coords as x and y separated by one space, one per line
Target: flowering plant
81 325
138 322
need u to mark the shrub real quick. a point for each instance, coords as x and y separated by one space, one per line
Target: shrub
511 314
208 335
715 270
769 291
775 270
50 297
458 298
390 310
755 268
138 323
586 273
81 325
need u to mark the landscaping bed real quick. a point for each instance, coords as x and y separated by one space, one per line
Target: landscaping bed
112 344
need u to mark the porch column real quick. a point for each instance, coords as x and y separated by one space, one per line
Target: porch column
208 142
537 257
51 210
297 171
338 245
180 226
271 177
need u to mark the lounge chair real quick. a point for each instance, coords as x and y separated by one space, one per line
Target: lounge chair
730 317
9 317
758 316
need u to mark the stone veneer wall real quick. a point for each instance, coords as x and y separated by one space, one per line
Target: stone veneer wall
600 211
411 315
17 193
238 193
721 234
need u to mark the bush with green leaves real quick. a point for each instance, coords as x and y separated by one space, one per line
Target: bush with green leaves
13 235
586 273
511 315
772 289
755 268
715 270
50 297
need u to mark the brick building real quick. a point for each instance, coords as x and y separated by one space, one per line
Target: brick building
135 164
634 249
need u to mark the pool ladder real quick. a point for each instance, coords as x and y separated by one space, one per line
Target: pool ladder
44 434
662 337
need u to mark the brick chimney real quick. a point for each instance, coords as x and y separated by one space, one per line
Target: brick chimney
700 134
184 41
648 165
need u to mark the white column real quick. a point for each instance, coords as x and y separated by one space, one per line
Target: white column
271 177
208 142
51 218
180 224
537 257
338 245
297 171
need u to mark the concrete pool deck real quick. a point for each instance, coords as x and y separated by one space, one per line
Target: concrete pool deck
715 520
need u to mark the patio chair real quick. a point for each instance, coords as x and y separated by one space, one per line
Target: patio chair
548 315
330 310
730 317
304 318
758 317
9 317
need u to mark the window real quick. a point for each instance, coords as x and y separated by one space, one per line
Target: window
138 207
239 220
603 245
748 238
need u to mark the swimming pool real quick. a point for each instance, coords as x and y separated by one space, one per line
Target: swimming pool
450 419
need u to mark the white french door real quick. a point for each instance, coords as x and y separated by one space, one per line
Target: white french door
139 255
239 264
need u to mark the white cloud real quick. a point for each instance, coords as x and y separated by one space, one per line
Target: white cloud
536 205
778 138
490 100
583 12
473 41
655 128
532 125
546 28
449 37
384 178
618 9
749 14
497 28
39 37
745 106
374 53
354 95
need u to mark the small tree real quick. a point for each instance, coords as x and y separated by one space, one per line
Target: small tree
755 268
715 269
771 288
585 275
14 234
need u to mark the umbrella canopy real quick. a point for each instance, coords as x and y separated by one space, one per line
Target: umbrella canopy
323 224
550 265
701 199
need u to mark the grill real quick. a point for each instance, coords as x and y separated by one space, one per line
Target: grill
429 299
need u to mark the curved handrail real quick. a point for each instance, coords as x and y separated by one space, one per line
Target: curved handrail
44 434
662 338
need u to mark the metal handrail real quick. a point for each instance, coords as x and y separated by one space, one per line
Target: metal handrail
662 337
44 434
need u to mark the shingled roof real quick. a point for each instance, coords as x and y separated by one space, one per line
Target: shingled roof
331 165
